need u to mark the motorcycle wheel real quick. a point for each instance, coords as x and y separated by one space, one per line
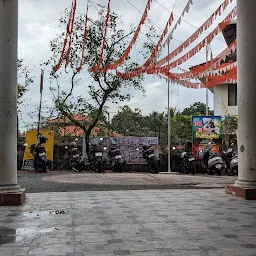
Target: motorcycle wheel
119 167
219 172
154 167
183 167
193 168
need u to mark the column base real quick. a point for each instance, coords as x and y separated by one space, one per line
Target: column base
15 198
247 193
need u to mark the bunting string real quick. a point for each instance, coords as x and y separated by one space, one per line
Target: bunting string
134 39
195 35
199 46
154 70
79 68
68 31
97 67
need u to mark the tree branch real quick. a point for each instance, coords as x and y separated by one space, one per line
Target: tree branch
72 86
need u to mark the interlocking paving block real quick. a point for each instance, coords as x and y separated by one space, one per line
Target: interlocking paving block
207 248
109 231
249 246
231 236
121 252
115 241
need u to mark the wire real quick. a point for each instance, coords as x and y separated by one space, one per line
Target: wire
201 52
183 19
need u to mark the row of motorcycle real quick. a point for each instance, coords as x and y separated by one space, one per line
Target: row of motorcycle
97 158
101 158
212 162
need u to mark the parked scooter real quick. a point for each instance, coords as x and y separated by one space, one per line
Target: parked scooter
116 160
149 156
213 163
39 153
96 156
231 159
76 160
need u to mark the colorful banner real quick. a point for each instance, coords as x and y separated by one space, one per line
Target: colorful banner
206 129
31 139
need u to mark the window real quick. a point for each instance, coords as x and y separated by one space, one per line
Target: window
232 94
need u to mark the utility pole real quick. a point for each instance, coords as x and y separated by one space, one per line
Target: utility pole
169 120
207 96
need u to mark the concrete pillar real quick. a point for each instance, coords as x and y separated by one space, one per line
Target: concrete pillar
8 99
246 36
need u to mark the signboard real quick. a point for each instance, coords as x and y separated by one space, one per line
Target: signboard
206 129
31 138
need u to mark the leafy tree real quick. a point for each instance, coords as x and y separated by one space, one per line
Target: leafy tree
24 72
129 122
103 87
181 129
229 129
196 109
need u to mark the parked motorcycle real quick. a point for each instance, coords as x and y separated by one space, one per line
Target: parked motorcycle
231 159
188 163
213 163
149 156
39 153
96 156
116 160
76 161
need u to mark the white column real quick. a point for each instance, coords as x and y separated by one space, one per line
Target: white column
246 34
8 94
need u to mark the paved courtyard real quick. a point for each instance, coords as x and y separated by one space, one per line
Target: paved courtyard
137 222
65 181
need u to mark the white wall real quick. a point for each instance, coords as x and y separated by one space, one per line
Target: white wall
221 107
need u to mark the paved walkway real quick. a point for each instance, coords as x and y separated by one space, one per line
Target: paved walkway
58 181
141 223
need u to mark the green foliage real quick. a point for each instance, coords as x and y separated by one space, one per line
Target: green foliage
229 127
196 109
24 72
129 122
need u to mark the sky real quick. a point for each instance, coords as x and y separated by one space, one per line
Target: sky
38 25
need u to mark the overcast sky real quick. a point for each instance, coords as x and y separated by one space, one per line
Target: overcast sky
38 24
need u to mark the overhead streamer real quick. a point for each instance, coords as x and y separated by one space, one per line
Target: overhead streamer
154 70
68 31
97 67
135 36
79 68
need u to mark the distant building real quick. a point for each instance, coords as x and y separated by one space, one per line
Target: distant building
65 127
225 95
